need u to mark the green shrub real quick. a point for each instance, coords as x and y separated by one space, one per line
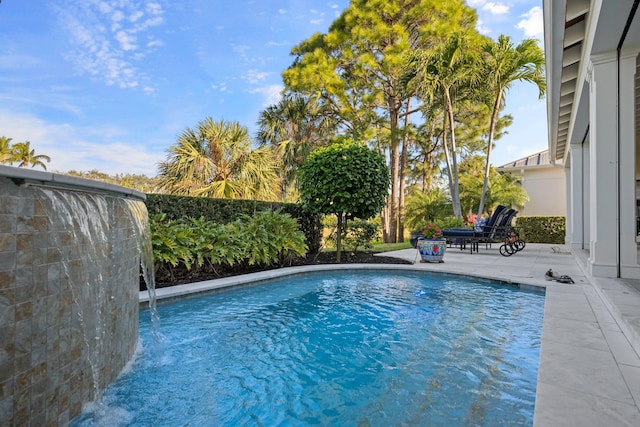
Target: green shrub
170 241
269 238
358 234
224 211
199 245
542 229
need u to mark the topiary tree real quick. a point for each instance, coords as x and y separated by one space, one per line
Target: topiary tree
346 179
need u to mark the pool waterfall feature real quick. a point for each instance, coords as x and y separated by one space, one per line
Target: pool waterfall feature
71 252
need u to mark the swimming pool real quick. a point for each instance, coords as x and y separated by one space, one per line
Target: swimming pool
346 348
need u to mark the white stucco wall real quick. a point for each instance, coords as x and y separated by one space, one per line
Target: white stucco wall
546 188
547 192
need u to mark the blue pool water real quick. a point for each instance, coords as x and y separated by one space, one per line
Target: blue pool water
336 349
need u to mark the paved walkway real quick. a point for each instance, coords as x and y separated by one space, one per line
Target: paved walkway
589 372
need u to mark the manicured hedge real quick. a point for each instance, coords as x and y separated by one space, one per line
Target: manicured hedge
224 211
542 229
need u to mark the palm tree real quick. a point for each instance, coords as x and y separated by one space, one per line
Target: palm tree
504 64
26 156
216 160
503 189
444 73
507 190
6 151
295 126
426 206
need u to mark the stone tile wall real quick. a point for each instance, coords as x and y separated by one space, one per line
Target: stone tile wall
69 273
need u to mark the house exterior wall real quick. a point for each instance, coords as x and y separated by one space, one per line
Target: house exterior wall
592 72
547 192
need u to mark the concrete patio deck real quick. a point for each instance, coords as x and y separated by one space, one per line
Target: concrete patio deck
589 373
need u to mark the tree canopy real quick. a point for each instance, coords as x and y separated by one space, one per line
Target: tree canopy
294 127
216 160
21 153
502 65
346 179
355 69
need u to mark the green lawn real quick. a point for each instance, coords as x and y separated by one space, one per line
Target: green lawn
379 247
386 247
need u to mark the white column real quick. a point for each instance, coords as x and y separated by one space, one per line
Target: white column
603 133
586 194
629 267
575 192
568 240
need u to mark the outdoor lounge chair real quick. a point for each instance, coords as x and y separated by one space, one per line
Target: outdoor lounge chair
498 228
464 234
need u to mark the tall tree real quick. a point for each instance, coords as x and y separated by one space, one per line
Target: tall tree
216 160
295 126
502 65
26 156
447 72
356 67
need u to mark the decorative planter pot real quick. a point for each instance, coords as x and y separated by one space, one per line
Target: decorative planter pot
413 238
432 250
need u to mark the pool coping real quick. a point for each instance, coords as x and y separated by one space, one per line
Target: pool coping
589 371
22 176
188 289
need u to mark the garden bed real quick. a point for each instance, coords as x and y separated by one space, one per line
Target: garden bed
182 275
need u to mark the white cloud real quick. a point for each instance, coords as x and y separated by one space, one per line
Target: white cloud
482 29
318 20
105 36
126 40
241 49
155 43
136 15
222 87
104 7
532 24
154 9
476 3
496 8
271 94
282 11
103 148
115 19
278 44
255 76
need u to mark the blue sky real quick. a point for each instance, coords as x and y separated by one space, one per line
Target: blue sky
108 85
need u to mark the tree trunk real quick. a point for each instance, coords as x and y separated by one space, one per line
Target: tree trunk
393 205
426 178
487 169
384 213
384 222
455 194
403 172
394 161
447 155
339 237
